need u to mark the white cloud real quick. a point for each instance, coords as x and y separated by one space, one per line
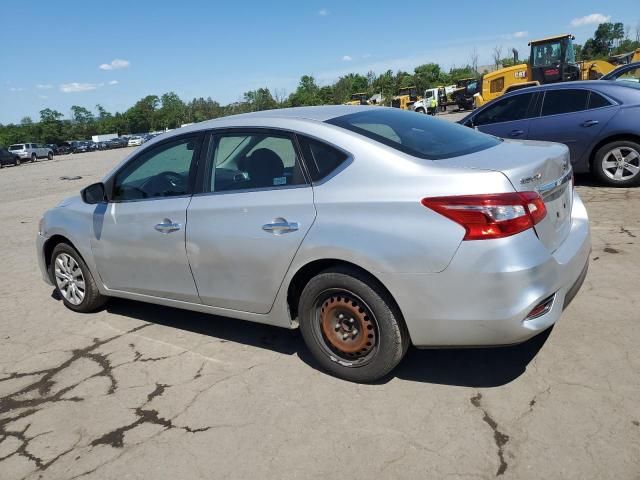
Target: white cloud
323 13
115 64
520 34
74 87
113 82
16 89
45 86
592 19
44 97
366 55
347 58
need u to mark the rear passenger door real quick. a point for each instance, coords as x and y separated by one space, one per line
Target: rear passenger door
574 117
508 117
254 208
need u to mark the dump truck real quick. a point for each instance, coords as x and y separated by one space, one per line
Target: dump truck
405 99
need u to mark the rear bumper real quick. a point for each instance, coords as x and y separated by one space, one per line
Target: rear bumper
483 297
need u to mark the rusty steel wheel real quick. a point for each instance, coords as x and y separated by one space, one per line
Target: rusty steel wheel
346 327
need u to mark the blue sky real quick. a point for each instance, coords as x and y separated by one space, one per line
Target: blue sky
61 53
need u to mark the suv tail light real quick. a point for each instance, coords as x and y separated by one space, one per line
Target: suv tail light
493 215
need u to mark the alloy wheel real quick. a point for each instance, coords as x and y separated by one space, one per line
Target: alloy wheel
621 164
69 279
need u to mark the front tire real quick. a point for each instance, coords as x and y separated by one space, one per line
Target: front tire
617 164
351 325
420 110
73 280
50 156
17 162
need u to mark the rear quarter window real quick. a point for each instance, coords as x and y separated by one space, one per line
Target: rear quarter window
415 134
321 159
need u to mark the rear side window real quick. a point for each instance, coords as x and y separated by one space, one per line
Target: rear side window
564 101
16 147
321 159
414 133
506 110
598 101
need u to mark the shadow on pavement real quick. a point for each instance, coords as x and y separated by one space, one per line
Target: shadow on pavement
480 367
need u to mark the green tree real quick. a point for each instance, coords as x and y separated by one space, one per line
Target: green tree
307 93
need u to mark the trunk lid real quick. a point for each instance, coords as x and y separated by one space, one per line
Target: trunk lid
532 166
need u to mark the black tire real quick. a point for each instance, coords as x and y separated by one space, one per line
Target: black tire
420 110
605 157
387 338
50 156
92 300
33 157
17 162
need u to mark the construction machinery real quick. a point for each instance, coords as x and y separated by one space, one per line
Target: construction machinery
406 97
358 99
551 60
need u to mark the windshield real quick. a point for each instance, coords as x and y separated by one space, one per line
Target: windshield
416 134
546 54
16 147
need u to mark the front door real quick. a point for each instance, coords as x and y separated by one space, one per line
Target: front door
247 226
139 238
507 117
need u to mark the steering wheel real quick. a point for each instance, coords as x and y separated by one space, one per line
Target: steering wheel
167 183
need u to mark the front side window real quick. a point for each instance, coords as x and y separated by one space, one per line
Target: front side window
415 134
247 161
506 110
162 171
564 101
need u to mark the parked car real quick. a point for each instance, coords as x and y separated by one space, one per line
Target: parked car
82 146
8 158
598 121
31 151
65 148
135 141
117 143
365 226
625 73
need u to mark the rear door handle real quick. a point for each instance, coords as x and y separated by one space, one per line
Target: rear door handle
516 133
167 226
589 123
280 226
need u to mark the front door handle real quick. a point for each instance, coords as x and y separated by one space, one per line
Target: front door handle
589 123
516 133
280 226
167 226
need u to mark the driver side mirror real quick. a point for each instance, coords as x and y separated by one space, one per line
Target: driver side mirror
94 193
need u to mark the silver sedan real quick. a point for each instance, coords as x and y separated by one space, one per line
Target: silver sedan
369 228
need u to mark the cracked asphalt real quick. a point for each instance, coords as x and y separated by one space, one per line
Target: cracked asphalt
142 391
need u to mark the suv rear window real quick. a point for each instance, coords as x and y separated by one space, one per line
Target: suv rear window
16 147
414 133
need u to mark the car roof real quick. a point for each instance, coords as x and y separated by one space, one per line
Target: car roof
318 113
600 85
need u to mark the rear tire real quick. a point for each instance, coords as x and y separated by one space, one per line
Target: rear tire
617 164
351 325
33 157
420 110
17 162
50 156
73 280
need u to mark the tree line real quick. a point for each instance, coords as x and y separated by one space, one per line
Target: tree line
167 111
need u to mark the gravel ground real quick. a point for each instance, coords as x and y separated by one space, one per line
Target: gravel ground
141 391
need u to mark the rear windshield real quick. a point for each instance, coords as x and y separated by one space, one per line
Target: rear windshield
16 147
415 133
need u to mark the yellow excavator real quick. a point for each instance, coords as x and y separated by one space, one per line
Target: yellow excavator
406 97
358 99
551 60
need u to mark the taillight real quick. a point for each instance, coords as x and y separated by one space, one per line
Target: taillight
494 215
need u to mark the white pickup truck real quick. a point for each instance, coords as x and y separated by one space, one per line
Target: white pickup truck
30 152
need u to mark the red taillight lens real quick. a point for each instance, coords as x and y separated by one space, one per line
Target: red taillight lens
494 215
